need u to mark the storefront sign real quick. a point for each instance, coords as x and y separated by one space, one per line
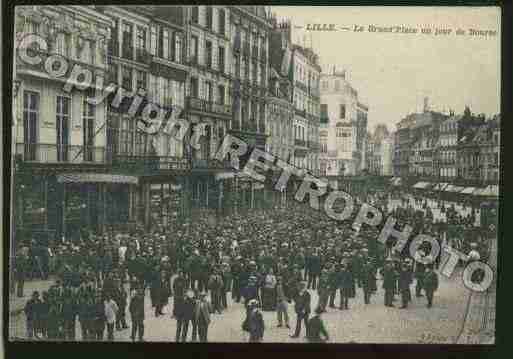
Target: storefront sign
96 177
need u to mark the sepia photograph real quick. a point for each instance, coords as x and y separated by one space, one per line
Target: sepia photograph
254 174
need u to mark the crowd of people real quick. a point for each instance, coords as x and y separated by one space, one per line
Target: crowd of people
266 260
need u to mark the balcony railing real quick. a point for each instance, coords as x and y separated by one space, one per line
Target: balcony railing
245 49
301 113
149 163
127 52
210 164
209 106
141 55
113 48
56 153
299 142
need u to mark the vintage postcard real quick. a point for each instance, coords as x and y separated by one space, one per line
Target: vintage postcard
284 174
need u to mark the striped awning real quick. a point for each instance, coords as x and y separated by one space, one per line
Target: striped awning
490 191
96 178
440 186
468 190
421 185
455 189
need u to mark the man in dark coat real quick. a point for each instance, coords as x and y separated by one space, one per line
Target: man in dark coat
316 328
389 279
69 312
302 308
136 309
368 280
314 270
345 284
21 267
179 287
323 289
405 279
156 289
31 313
121 300
255 323
333 276
419 270
430 284
184 313
236 270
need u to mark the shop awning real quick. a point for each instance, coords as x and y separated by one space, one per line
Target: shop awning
490 191
469 190
456 189
96 178
421 185
440 186
157 187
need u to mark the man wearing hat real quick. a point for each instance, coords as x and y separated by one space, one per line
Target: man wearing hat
345 285
316 328
405 279
368 280
201 319
184 313
333 276
389 279
302 308
136 309
419 269
430 284
256 324
31 313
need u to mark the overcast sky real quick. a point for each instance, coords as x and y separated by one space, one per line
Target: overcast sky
393 72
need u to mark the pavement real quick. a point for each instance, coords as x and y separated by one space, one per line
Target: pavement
373 323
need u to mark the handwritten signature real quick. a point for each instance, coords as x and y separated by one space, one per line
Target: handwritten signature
429 338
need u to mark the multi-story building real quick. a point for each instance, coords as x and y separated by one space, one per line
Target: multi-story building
359 153
305 77
146 55
446 152
478 150
281 109
61 140
402 147
380 152
490 151
345 121
250 29
209 56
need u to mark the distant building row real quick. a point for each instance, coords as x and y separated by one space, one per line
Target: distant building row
457 148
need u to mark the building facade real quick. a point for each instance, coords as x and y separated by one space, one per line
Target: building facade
345 122
305 78
281 109
60 138
250 30
446 153
380 152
